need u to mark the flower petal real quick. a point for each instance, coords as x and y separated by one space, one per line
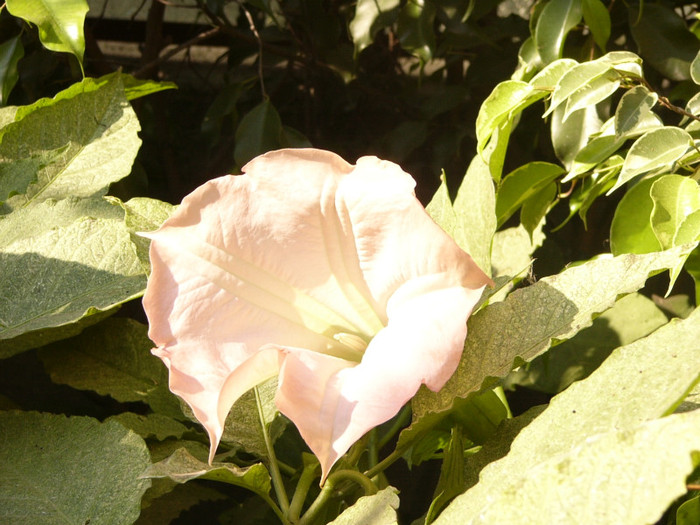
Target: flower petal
334 406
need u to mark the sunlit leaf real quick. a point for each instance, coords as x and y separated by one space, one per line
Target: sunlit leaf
635 105
58 469
471 220
656 150
521 184
576 78
62 262
571 132
675 197
631 231
182 467
523 325
536 207
506 99
596 91
631 318
378 509
60 22
607 433
556 20
370 17
74 145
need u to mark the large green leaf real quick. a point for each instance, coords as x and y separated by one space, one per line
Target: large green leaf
556 20
656 150
471 221
525 324
120 367
631 318
60 22
377 509
577 78
62 262
571 133
57 469
11 51
74 145
606 434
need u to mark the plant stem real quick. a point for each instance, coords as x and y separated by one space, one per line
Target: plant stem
277 481
308 474
329 487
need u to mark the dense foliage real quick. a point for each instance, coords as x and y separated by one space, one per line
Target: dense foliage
554 140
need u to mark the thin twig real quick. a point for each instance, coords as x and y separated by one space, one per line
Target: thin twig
260 48
664 101
191 42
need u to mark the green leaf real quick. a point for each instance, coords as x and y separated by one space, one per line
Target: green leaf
631 231
596 91
571 133
259 131
575 79
695 69
656 150
556 20
182 467
151 425
60 263
507 99
550 76
143 215
120 367
78 143
664 40
415 28
634 107
243 425
60 22
597 18
521 184
471 221
451 482
370 17
631 318
11 51
607 434
512 249
536 207
525 324
58 469
675 197
591 480
689 512
377 509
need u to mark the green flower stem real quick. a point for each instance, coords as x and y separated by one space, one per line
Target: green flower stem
400 422
275 508
328 491
275 474
308 475
502 396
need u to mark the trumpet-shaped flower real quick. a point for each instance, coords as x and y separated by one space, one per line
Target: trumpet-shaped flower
330 276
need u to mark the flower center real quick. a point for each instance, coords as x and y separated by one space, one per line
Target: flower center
356 344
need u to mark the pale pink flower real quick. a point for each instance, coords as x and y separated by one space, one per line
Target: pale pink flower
330 276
